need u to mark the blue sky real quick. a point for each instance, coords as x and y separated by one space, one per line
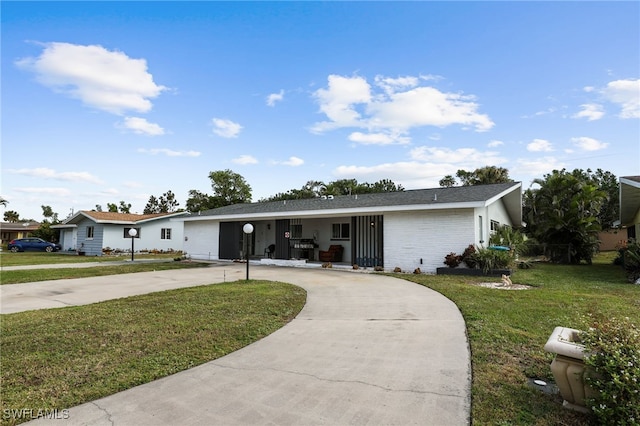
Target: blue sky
111 101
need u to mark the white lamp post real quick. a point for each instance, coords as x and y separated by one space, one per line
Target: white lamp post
248 230
132 234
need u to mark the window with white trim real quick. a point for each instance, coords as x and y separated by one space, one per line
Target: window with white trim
165 234
89 232
340 231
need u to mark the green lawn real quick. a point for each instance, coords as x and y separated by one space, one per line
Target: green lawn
58 358
8 258
508 328
113 345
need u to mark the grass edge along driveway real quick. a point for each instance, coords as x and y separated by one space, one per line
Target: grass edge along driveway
59 358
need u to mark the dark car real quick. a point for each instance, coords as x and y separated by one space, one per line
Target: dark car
32 244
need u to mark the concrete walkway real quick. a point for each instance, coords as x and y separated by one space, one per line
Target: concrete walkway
365 350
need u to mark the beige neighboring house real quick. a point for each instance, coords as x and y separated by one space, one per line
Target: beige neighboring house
91 233
630 205
13 230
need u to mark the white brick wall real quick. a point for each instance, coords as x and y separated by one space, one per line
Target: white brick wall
428 235
201 239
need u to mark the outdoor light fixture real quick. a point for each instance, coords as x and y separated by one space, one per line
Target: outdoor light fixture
132 234
248 230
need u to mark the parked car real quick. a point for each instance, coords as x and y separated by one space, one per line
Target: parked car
32 244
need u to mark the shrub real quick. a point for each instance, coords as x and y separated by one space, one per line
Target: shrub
487 259
452 260
468 258
631 260
613 346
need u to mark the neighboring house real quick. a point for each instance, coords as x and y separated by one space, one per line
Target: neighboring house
406 229
13 230
91 232
630 205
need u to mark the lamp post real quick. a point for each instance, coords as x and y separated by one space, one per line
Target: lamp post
132 234
248 230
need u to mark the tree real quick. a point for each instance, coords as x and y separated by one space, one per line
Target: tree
3 202
386 185
447 182
562 214
11 216
315 188
98 208
480 176
112 208
229 187
165 204
49 215
124 208
199 201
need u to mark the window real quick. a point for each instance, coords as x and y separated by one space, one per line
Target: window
126 233
165 234
296 229
495 226
89 232
340 231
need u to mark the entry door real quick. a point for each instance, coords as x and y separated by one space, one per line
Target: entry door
283 232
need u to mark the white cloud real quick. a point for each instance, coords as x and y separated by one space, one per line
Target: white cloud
625 93
589 144
275 97
226 128
58 192
378 138
460 156
293 162
539 145
590 111
245 159
142 127
169 152
534 168
495 143
338 100
391 85
103 79
46 173
400 106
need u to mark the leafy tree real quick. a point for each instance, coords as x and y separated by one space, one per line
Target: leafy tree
447 182
481 176
230 187
314 189
562 214
199 201
386 185
49 214
11 216
165 204
153 206
112 207
124 208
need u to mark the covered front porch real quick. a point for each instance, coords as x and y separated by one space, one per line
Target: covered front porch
344 240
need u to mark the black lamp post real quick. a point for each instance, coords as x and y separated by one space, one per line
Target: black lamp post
248 230
132 234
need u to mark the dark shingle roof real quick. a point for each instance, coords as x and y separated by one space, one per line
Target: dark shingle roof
434 196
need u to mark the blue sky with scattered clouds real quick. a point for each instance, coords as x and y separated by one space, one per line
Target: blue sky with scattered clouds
111 101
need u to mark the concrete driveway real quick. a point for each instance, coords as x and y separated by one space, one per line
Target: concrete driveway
365 350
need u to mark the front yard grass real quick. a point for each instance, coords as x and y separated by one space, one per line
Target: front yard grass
8 258
58 358
32 275
507 330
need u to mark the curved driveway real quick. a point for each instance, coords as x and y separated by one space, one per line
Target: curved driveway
366 349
